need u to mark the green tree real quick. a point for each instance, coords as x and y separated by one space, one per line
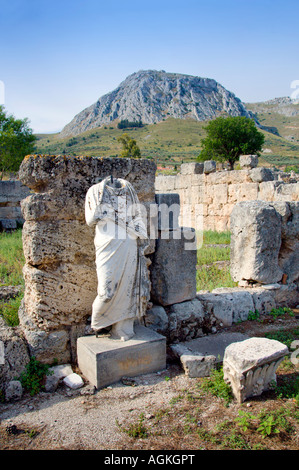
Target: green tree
130 148
16 141
229 137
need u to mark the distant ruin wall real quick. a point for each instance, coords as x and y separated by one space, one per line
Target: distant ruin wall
11 194
211 196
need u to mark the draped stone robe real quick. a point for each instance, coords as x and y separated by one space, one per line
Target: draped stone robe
123 285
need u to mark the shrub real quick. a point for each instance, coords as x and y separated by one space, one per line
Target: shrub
32 379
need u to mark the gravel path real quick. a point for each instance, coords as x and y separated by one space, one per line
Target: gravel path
84 419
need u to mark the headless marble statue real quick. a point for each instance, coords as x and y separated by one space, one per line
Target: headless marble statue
112 206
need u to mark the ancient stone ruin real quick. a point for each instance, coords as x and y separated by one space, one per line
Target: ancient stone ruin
60 275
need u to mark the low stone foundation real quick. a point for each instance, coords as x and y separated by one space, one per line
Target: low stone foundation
210 312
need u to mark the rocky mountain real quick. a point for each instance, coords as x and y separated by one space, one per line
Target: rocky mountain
285 106
151 96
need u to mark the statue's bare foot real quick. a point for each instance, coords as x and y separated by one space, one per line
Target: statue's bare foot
123 330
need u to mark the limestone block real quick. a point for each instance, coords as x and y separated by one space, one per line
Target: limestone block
264 300
219 193
61 371
12 191
15 355
255 242
227 210
165 183
207 197
219 177
228 305
287 192
10 212
215 209
220 224
104 361
216 223
8 225
192 168
62 296
13 390
197 179
239 176
55 376
250 366
208 345
248 161
247 192
74 175
258 175
156 318
179 182
168 210
185 320
209 166
60 241
289 252
198 366
267 190
233 192
173 268
195 364
45 346
43 206
51 383
183 181
287 295
196 196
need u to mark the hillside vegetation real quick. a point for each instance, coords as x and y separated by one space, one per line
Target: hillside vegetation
170 142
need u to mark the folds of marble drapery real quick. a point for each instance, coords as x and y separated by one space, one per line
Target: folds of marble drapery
112 206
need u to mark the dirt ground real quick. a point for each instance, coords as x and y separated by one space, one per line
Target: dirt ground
81 419
163 410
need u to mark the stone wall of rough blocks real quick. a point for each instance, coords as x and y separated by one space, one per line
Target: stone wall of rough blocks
11 194
60 274
211 197
264 256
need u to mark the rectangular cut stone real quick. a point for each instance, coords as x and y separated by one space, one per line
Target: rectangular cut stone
192 168
104 361
255 242
168 210
173 268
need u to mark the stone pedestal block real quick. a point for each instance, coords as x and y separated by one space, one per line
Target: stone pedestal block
250 366
104 361
173 269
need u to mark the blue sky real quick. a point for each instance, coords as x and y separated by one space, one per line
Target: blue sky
58 57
